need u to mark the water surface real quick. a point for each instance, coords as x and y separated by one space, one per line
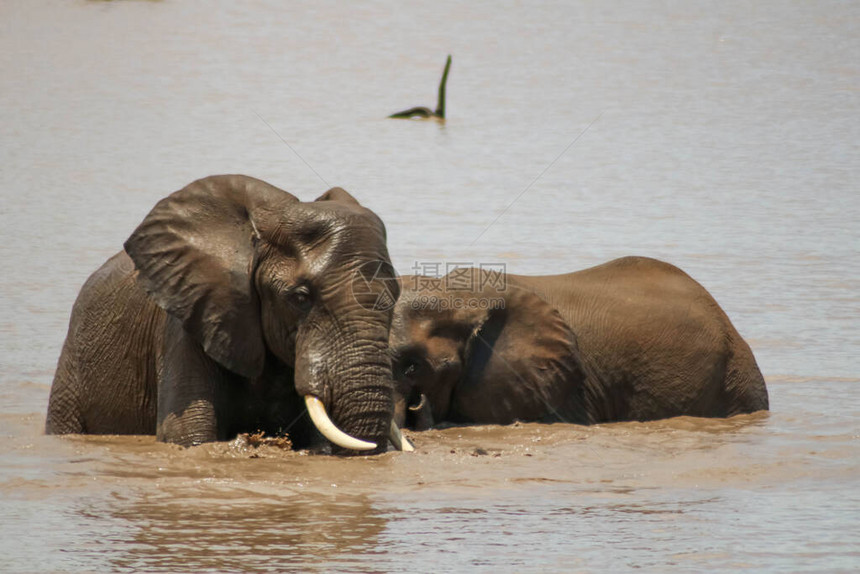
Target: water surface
721 138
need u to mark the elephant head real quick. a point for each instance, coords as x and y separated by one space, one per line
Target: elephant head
254 275
486 355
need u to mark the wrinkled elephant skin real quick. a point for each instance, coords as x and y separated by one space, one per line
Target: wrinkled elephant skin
632 339
231 306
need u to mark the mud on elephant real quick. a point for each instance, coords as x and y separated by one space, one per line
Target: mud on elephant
632 339
230 310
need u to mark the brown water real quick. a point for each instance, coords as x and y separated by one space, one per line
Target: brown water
724 139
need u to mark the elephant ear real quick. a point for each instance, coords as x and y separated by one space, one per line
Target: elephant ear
195 255
522 363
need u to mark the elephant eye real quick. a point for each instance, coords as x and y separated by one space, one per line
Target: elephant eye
408 363
300 298
409 368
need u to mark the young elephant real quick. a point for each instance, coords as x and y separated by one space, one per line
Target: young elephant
231 308
632 339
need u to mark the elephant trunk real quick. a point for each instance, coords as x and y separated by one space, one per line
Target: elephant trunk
361 395
351 377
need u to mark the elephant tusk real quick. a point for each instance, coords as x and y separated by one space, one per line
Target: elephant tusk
318 415
399 441
420 406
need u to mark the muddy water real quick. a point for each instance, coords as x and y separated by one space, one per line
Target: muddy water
722 138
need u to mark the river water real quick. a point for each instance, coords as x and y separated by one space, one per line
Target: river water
723 137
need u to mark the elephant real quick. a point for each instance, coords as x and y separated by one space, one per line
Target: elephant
425 113
232 309
634 339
